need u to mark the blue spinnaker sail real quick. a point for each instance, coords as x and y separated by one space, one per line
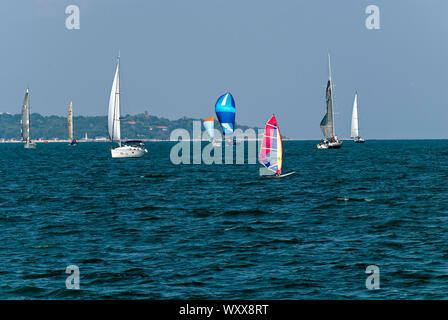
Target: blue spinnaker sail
225 112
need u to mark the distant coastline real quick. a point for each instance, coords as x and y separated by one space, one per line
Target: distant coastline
104 140
141 126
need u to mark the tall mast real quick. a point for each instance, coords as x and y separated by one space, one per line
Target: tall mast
29 113
117 93
331 88
357 111
70 122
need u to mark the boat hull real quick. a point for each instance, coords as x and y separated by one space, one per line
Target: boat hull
30 145
330 145
128 152
360 140
281 175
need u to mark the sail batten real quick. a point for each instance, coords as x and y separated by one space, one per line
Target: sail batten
271 151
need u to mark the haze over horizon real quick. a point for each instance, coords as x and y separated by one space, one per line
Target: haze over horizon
178 56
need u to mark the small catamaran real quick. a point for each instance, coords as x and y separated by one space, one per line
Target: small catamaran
327 124
355 125
25 122
130 148
70 126
271 152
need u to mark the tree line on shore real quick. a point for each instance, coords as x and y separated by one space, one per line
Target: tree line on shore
140 126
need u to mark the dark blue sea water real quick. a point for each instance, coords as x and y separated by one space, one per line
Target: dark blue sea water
145 228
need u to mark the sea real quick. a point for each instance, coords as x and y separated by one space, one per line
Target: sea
150 229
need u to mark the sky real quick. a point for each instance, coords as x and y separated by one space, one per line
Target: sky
179 56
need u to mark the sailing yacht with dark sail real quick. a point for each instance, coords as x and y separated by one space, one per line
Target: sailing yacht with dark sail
25 122
73 141
125 149
331 141
355 122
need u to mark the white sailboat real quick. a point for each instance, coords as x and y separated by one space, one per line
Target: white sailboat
73 141
125 149
355 122
331 141
209 125
25 122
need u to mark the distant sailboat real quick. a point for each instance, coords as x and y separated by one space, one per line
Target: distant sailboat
132 148
355 122
209 125
225 112
25 122
70 126
327 124
271 152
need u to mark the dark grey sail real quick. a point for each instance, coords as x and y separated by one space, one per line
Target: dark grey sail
25 121
326 125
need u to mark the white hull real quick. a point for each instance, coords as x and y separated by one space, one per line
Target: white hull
281 175
30 145
359 140
232 143
128 152
330 145
216 144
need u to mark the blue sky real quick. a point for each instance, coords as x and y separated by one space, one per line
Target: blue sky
177 57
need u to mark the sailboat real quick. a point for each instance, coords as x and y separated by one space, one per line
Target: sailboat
209 125
271 152
70 126
327 124
355 125
125 149
225 112
25 122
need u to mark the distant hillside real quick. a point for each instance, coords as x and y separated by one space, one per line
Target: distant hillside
140 126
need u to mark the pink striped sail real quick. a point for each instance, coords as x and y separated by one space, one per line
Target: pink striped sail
271 151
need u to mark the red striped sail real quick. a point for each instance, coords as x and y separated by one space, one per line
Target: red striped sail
271 151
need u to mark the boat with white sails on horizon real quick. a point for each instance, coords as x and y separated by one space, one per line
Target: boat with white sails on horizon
73 141
354 132
125 149
25 122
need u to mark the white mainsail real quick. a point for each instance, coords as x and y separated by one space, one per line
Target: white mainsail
25 120
70 123
114 107
355 128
